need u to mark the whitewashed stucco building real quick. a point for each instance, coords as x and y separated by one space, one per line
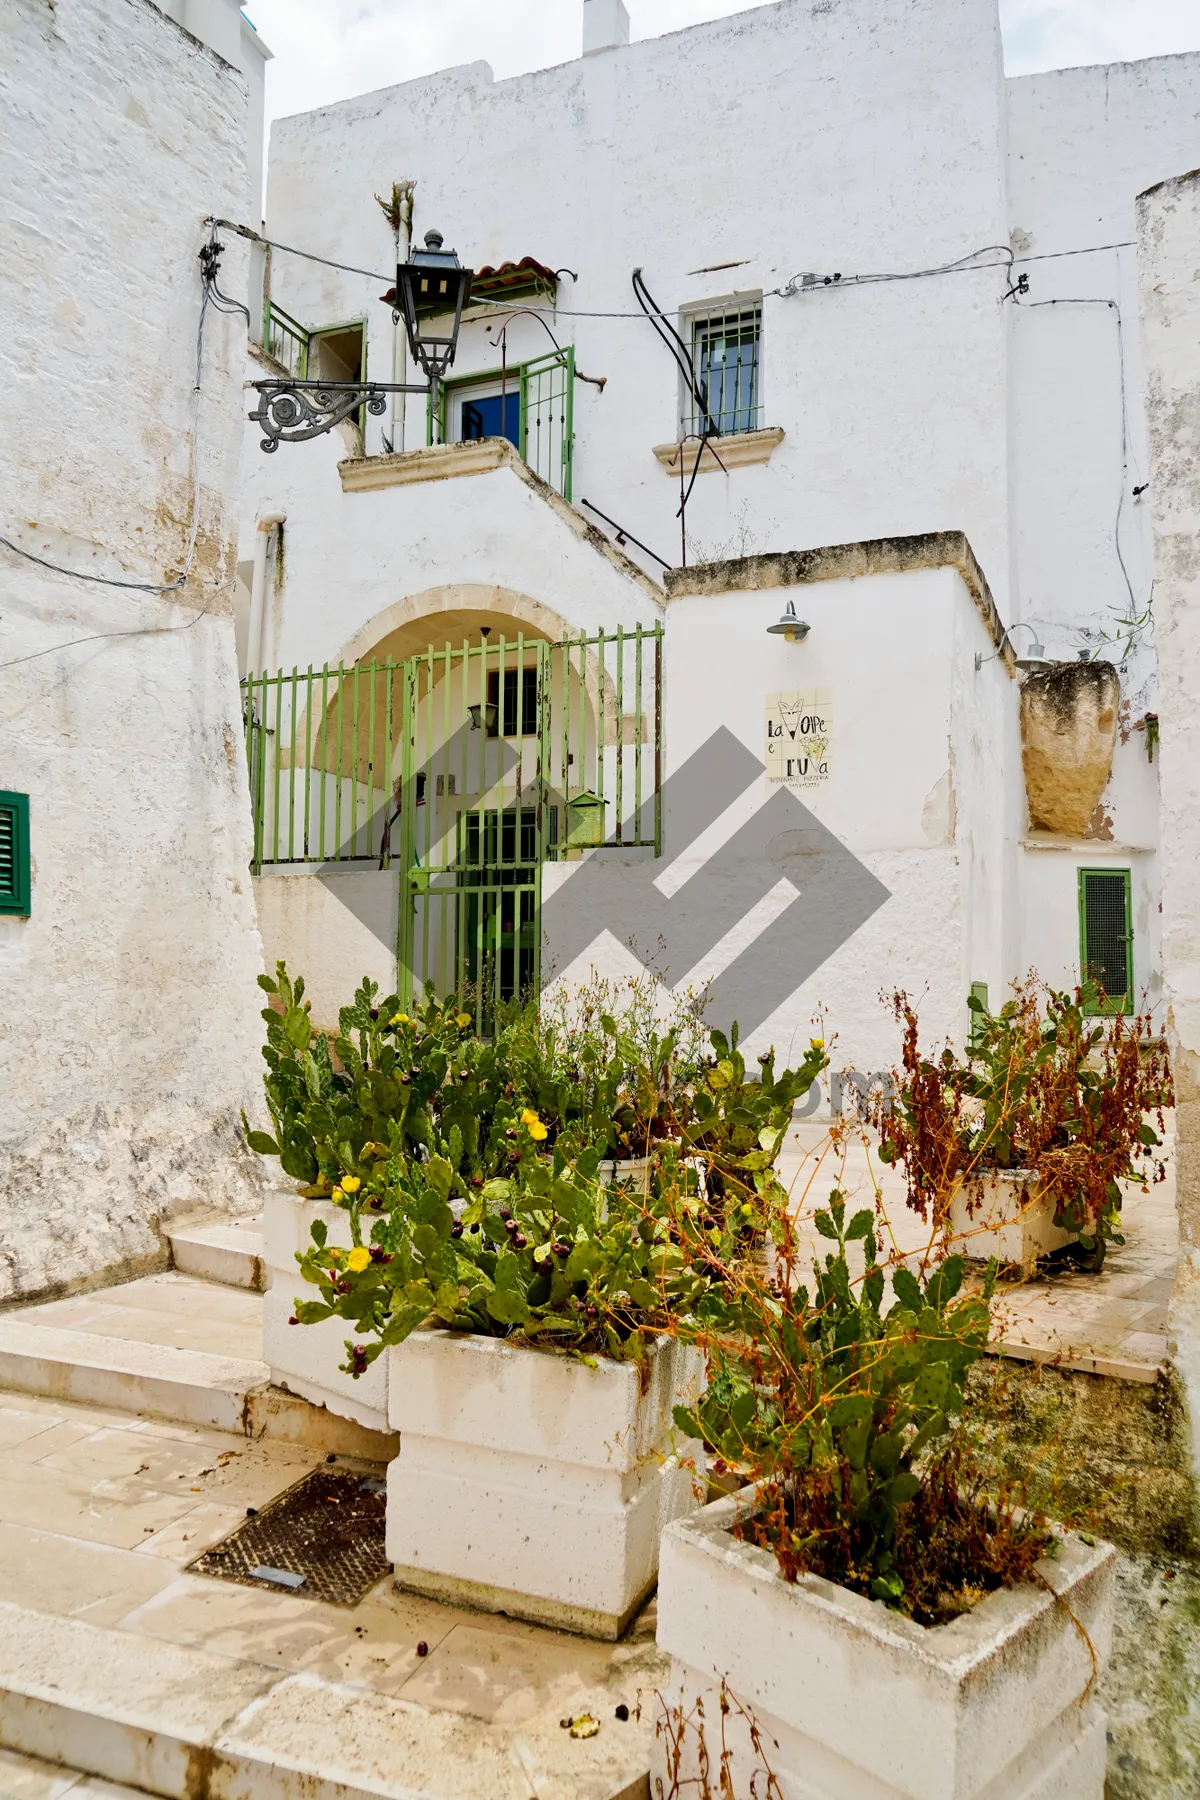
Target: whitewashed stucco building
964 448
128 942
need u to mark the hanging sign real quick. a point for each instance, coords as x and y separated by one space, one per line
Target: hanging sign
798 730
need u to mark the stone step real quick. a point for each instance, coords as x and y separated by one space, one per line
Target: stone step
29 1778
223 1393
179 1721
217 1248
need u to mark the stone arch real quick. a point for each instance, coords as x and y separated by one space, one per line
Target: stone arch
402 629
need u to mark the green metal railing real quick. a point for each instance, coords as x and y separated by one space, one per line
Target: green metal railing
286 340
548 417
466 769
546 387
320 747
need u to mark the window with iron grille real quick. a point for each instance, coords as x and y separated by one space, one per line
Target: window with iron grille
1106 935
726 347
14 854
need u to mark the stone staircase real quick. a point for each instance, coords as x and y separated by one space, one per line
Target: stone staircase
185 1345
217 1248
110 1708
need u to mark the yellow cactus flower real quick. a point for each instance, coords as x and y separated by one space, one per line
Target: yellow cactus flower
536 1130
358 1260
463 1020
816 1043
336 1194
350 1184
401 1019
529 1117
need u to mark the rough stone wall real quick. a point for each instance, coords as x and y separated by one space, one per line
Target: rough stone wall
1114 1458
1169 252
1068 734
128 1011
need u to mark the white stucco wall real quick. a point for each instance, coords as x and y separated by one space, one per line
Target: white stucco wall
900 647
130 1036
358 565
335 930
864 136
1082 144
1169 253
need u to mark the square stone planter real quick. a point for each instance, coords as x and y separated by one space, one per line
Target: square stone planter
304 1358
532 1482
855 1702
1003 1214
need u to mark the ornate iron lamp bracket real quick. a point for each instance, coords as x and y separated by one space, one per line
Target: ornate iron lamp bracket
290 412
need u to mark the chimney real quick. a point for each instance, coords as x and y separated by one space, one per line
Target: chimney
605 25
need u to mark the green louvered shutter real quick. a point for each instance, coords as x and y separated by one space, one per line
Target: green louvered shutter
1106 934
14 853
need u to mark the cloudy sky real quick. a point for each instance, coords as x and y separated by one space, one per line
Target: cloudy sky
326 50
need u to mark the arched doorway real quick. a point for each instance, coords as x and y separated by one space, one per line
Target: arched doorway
466 738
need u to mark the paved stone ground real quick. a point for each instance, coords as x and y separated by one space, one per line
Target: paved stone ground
100 1511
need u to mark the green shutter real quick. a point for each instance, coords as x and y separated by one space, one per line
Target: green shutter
1106 935
14 854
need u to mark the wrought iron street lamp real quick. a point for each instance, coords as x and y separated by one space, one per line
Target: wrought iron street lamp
431 286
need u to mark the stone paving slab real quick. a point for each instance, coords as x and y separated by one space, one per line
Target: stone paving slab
116 1662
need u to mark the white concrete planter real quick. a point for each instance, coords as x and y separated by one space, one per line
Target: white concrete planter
855 1702
1003 1214
304 1358
534 1483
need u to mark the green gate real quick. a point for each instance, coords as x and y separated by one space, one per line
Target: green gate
465 770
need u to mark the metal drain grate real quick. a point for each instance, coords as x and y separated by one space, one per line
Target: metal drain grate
328 1529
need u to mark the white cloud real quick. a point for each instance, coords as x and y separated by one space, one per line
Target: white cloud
327 50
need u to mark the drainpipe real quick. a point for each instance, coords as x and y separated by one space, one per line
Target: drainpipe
268 524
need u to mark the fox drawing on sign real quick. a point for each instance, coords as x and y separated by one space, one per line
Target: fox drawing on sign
797 738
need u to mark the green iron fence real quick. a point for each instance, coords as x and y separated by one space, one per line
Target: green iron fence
286 340
465 770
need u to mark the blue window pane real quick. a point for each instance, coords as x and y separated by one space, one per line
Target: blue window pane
496 415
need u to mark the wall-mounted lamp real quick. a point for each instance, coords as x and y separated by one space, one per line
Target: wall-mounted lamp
790 627
432 284
1035 653
485 714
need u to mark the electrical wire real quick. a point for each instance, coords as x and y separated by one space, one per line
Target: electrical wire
1090 250
256 237
1095 300
808 282
211 296
964 265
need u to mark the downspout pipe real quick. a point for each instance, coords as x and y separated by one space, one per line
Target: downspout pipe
267 525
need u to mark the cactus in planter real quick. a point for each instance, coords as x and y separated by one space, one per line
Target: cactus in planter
547 1252
338 1108
841 1408
1046 1086
469 1171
